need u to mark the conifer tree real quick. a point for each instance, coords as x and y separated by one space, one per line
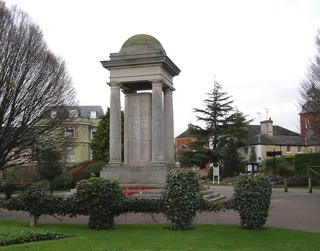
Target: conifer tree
224 127
100 145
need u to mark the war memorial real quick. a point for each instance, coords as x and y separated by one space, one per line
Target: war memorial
144 73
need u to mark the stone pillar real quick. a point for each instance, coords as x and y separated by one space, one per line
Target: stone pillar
168 126
115 125
125 133
157 124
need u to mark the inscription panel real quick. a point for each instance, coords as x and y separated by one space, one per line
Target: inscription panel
139 128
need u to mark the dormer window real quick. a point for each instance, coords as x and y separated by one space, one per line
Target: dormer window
93 114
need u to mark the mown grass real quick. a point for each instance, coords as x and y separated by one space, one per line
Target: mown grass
158 237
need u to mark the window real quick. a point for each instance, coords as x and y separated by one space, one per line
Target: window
73 113
69 132
69 152
307 122
245 150
93 114
92 133
288 149
299 149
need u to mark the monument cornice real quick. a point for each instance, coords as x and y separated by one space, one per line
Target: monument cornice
119 60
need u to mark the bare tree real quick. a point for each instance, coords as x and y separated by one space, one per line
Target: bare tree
33 84
310 86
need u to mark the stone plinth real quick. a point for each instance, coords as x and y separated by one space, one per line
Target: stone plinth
144 175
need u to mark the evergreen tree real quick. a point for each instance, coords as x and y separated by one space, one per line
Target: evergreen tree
217 108
226 129
198 154
100 145
50 165
232 163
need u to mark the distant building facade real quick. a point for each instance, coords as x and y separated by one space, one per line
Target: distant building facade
81 125
267 137
263 138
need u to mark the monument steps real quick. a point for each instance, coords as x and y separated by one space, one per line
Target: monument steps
155 193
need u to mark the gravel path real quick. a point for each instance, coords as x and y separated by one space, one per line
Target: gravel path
296 209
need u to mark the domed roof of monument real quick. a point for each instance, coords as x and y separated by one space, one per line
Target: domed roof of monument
141 43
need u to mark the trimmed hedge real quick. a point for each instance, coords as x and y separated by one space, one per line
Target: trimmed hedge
15 235
303 160
182 198
252 199
36 201
101 199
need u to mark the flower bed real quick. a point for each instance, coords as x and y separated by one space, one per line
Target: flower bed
134 190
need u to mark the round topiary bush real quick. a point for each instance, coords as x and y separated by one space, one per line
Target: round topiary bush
101 199
252 198
182 198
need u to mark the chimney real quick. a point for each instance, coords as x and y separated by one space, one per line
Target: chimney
267 127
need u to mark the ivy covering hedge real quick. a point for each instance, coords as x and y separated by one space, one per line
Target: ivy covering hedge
303 160
103 200
182 198
252 198
36 201
15 235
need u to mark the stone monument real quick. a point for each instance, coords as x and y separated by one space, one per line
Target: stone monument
144 73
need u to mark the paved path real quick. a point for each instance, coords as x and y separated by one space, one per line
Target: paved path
297 209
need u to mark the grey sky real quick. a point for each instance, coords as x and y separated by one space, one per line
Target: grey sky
258 50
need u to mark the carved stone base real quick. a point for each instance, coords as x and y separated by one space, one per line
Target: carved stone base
140 175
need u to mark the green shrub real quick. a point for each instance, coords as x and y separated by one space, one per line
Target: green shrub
43 184
63 182
252 197
182 198
282 166
101 199
36 201
8 189
303 160
14 235
139 205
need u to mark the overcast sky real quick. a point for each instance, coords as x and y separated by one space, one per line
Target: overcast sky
258 50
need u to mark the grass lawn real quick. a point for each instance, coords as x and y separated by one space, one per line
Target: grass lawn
158 237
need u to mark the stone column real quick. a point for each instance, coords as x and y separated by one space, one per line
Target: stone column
157 124
115 125
125 133
168 126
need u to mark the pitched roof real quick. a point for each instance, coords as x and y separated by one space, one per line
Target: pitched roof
84 111
281 136
187 133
